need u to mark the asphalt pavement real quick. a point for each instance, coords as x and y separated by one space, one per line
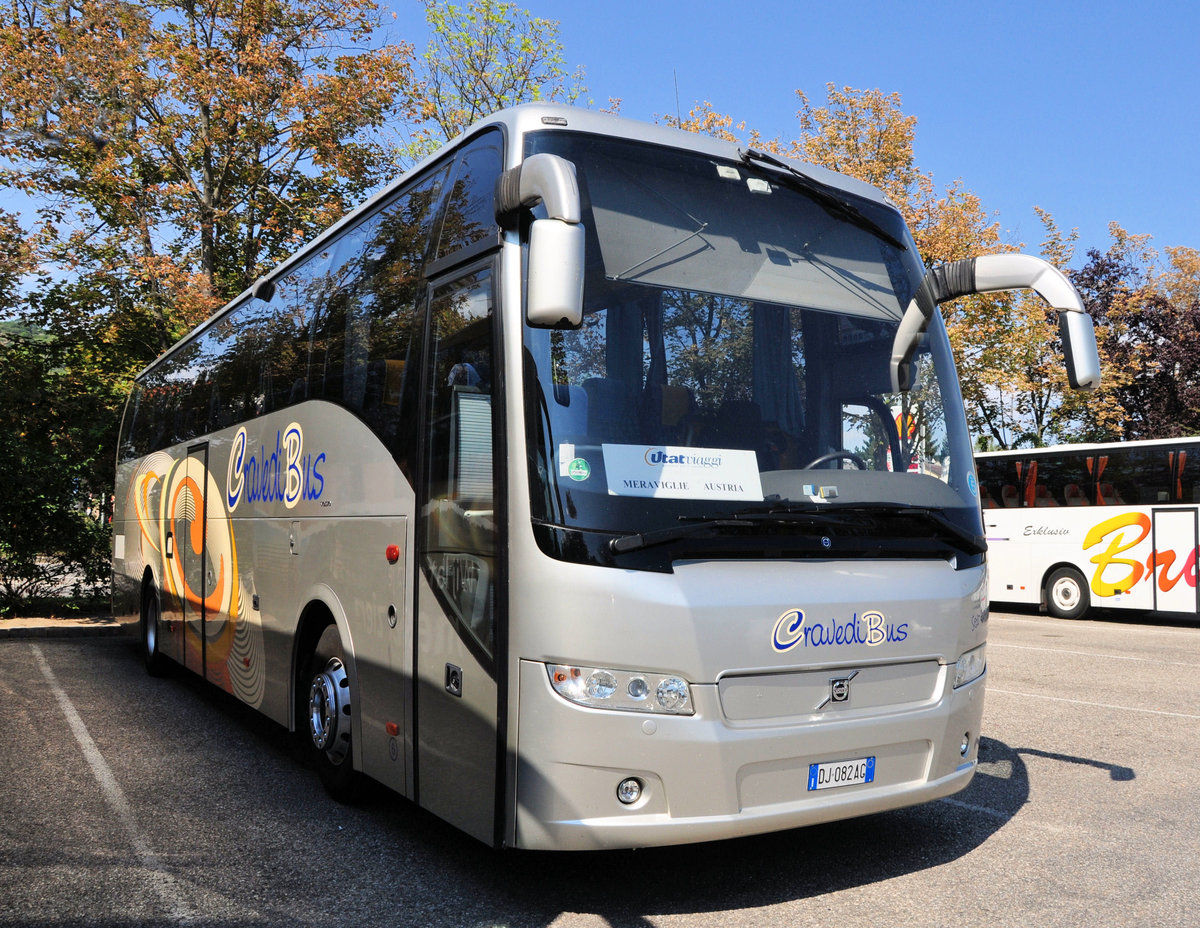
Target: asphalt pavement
130 800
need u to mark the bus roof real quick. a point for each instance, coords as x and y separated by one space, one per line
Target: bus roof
516 122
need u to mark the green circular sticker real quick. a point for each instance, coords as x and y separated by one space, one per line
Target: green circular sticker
579 469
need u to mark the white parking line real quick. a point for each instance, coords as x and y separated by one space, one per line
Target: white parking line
1100 654
164 884
983 810
1094 705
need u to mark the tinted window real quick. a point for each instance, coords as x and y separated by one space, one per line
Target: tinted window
1057 480
342 327
1120 476
460 519
470 207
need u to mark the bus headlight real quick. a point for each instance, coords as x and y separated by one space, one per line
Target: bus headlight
970 666
631 690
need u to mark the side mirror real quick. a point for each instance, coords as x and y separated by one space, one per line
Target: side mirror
1078 334
1000 272
554 295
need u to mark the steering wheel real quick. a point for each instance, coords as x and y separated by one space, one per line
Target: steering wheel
836 456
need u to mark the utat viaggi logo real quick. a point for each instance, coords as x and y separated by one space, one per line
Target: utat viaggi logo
658 457
682 471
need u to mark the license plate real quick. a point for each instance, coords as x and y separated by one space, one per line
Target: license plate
841 773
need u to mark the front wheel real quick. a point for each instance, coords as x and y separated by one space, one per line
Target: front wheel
328 716
1067 595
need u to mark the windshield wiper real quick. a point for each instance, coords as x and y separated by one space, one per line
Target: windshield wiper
637 541
966 541
860 518
822 194
695 524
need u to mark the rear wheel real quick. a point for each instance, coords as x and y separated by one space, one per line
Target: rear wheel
328 714
156 664
1067 595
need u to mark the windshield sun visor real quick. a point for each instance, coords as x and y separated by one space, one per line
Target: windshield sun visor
736 233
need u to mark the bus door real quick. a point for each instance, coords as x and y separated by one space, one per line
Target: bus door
1175 588
185 565
459 597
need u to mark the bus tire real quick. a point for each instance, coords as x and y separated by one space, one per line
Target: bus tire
328 714
1067 595
152 657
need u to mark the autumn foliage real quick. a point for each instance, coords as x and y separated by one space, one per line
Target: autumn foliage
1007 345
174 150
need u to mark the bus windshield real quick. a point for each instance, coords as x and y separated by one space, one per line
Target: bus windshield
730 379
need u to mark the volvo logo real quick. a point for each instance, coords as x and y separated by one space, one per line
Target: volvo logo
839 690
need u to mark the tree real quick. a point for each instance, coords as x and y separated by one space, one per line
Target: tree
15 261
1150 326
1006 345
483 57
52 535
176 149
190 143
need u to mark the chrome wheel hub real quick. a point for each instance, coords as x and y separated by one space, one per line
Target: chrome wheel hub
329 711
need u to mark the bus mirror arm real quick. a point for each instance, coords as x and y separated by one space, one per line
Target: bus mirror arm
554 295
987 274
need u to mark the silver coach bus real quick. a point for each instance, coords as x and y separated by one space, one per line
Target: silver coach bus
597 484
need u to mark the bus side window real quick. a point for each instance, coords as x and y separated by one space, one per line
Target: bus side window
470 212
392 284
1184 464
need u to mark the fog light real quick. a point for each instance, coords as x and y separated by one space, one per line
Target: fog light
629 790
966 744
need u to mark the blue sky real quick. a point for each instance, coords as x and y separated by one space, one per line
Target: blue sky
1088 109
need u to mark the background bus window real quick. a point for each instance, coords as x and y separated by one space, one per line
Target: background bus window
1185 474
1000 482
1058 480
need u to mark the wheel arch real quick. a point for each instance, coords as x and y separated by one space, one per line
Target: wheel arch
148 581
321 608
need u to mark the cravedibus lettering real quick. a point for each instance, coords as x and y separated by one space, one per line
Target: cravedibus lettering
284 474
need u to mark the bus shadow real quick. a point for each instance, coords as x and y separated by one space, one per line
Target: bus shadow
626 888
1116 772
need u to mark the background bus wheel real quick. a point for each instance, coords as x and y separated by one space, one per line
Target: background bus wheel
328 716
156 664
1067 594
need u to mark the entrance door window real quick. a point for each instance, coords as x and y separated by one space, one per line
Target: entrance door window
460 523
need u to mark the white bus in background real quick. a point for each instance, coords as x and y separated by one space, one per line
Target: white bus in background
559 489
1109 525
